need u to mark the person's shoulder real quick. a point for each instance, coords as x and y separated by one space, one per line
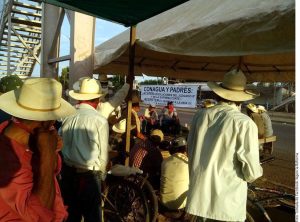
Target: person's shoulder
243 120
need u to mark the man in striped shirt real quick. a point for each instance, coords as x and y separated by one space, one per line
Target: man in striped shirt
147 156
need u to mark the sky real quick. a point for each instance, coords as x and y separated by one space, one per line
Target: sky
104 30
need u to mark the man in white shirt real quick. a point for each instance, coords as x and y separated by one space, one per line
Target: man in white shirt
150 120
223 154
85 153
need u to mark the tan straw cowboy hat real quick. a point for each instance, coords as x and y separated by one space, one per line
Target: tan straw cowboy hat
120 127
252 107
233 87
37 99
87 88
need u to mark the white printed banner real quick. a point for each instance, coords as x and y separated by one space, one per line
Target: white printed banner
180 95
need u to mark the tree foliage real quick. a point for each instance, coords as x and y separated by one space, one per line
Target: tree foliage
152 82
117 81
64 77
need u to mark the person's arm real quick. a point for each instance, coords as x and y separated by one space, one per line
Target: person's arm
106 108
248 151
104 147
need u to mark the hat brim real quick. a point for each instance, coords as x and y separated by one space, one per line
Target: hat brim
231 95
117 130
253 109
87 96
8 103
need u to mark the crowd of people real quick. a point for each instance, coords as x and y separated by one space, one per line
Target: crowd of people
54 172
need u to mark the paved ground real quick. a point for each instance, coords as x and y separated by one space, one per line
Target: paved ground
280 173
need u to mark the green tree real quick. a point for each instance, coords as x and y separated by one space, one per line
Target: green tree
64 77
152 82
117 81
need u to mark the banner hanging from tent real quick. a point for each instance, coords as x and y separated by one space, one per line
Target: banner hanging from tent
180 95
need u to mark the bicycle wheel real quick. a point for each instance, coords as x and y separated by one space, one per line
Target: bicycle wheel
125 201
249 218
149 193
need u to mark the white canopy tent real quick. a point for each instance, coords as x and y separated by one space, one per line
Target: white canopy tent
202 40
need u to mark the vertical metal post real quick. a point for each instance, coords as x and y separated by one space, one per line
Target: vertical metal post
274 94
8 40
129 80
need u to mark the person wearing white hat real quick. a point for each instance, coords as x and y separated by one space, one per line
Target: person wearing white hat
223 152
118 140
135 119
263 121
29 145
105 108
85 153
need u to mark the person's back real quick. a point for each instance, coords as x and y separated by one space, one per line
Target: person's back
223 154
174 180
146 156
221 146
261 119
267 124
81 134
85 153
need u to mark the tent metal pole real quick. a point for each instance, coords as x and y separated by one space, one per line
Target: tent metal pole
129 80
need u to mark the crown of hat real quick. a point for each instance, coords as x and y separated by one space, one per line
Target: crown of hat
178 142
158 133
47 94
89 86
234 80
120 127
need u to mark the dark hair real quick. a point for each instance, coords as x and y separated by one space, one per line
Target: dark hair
170 103
219 98
135 104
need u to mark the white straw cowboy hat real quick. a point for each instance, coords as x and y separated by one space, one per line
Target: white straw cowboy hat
87 88
37 99
120 127
261 108
153 105
157 133
252 107
233 87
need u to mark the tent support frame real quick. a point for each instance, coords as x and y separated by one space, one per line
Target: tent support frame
130 78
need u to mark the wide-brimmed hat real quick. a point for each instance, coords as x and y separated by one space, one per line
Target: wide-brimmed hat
120 127
233 87
153 105
37 99
208 103
252 107
179 142
261 108
87 88
157 133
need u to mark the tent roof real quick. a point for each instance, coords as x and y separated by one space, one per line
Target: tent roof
202 40
126 12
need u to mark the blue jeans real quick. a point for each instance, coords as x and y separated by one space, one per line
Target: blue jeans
82 194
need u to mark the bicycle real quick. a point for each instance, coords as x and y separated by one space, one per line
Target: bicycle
129 198
261 198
